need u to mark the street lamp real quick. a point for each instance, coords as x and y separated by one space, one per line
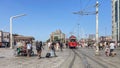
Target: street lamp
97 36
11 18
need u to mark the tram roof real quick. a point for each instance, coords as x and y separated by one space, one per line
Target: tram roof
72 37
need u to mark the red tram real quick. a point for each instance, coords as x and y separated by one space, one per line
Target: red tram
72 42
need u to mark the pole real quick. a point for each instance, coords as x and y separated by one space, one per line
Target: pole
78 33
97 36
11 38
11 32
118 39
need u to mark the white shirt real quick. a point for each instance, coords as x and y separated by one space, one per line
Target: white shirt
85 44
49 44
112 46
29 46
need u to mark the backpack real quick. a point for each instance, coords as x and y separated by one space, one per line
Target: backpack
48 55
37 47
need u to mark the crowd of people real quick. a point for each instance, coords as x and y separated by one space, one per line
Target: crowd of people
25 48
55 46
52 47
108 47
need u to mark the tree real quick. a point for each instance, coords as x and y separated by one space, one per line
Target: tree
56 38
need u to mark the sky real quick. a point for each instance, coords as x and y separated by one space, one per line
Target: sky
46 16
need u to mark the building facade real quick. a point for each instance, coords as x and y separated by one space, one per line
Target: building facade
57 36
116 20
92 36
105 38
4 38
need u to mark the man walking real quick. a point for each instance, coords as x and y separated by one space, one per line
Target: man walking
29 45
61 46
112 47
39 47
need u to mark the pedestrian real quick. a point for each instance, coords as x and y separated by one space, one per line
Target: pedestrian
86 45
89 44
39 47
53 49
66 44
29 46
107 49
61 46
49 44
24 48
57 46
94 46
112 47
101 46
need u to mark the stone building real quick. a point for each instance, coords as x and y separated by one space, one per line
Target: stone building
4 38
57 36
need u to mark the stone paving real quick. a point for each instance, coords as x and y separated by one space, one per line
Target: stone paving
8 60
110 62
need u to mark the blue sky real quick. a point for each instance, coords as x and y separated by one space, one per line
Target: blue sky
45 16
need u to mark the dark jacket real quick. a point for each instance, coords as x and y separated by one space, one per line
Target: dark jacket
39 46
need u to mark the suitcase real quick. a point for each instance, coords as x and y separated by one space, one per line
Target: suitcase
48 55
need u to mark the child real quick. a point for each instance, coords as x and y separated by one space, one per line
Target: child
107 51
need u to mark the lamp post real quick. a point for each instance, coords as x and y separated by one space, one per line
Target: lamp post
11 18
97 36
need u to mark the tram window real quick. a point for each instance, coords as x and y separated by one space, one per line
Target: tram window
72 40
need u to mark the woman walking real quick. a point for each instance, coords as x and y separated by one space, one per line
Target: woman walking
107 49
53 49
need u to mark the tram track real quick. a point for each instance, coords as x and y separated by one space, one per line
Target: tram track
98 60
104 66
86 61
83 58
107 62
67 63
72 62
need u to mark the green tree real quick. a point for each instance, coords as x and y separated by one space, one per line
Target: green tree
56 38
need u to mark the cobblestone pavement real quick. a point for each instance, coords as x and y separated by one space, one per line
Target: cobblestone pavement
101 60
8 60
65 59
86 58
